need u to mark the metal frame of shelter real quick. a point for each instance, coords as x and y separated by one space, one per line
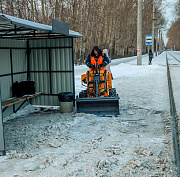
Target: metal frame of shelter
20 29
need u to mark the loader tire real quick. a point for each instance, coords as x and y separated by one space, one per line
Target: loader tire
112 92
83 94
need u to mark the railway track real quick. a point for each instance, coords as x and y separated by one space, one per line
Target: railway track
174 57
175 128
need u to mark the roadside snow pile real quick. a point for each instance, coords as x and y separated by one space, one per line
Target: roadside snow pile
29 109
46 108
22 112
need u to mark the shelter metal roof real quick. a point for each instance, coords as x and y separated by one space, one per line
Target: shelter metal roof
13 27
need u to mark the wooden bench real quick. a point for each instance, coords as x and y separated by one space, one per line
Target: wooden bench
12 101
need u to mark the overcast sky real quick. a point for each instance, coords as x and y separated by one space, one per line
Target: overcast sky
169 13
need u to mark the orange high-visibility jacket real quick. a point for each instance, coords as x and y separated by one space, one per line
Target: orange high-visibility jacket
100 60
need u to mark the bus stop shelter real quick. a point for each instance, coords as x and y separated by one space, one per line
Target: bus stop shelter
36 52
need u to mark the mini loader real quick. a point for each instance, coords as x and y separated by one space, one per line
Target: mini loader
99 98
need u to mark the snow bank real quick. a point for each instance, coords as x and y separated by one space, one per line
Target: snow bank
22 112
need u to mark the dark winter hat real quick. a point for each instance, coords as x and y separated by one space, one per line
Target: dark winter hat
96 48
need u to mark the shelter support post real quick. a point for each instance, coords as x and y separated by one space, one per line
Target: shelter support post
2 141
73 71
50 70
12 78
28 51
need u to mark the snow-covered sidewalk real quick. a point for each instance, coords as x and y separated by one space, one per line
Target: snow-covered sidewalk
136 143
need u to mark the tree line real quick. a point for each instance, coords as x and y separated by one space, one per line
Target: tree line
110 24
174 31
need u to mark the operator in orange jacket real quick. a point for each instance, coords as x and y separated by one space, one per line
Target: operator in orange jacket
97 57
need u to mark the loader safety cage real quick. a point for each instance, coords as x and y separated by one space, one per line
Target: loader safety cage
36 52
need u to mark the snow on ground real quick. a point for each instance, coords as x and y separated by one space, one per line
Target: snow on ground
136 143
125 60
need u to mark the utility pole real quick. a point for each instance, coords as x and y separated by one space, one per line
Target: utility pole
153 20
139 33
162 43
159 42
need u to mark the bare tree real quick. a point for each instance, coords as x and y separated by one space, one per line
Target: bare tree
109 24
